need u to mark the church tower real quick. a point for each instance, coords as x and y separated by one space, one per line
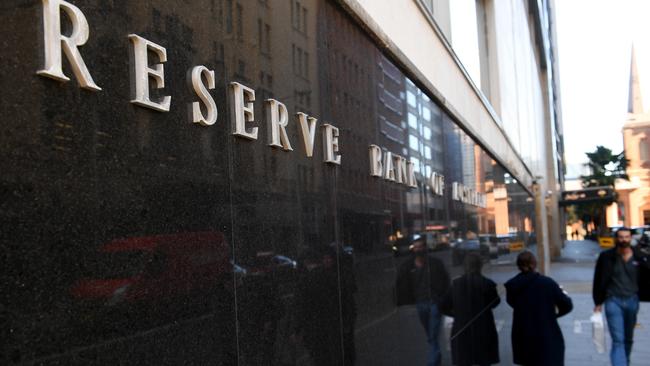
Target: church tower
634 195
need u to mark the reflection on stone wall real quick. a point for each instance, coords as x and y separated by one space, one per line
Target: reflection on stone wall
137 237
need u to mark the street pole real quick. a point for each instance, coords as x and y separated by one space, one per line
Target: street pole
541 228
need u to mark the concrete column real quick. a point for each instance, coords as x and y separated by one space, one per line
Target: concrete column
541 229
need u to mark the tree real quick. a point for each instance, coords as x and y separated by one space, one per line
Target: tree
605 168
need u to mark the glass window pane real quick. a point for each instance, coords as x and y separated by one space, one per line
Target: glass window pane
427 133
410 98
413 121
416 164
413 142
426 113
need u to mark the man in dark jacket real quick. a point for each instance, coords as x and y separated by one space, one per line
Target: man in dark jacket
474 339
537 302
619 280
423 280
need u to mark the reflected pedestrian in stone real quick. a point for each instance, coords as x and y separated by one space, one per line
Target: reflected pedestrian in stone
325 303
537 302
423 280
474 339
617 281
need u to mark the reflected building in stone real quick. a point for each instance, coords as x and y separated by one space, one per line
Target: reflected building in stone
133 235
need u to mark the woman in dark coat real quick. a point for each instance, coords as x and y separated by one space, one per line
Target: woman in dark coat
474 339
537 302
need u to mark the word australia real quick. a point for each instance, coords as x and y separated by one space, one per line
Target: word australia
148 72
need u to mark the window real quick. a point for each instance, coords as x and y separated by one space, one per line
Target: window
644 151
240 22
241 68
413 121
416 164
267 41
229 16
260 36
410 98
414 143
305 68
426 113
427 152
427 133
299 61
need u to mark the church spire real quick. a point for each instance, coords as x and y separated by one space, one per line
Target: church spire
635 102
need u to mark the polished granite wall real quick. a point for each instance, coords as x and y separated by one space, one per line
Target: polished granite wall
133 236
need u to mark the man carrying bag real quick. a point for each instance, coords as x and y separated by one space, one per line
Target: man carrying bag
621 280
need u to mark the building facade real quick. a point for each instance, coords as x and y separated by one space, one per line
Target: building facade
633 205
237 182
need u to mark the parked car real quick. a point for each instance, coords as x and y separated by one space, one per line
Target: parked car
463 247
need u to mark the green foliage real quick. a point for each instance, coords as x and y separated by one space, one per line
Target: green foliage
605 167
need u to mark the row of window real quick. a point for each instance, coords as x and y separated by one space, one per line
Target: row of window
300 59
298 16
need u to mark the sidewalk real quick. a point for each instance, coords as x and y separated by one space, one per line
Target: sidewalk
406 344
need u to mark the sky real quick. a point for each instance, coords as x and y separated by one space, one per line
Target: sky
595 38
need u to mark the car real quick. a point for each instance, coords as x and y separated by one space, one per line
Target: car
403 244
461 248
503 243
492 243
606 239
153 269
641 235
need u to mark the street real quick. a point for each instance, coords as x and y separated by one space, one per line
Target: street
406 344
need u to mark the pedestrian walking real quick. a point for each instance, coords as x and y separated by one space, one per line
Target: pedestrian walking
618 279
423 280
537 302
474 339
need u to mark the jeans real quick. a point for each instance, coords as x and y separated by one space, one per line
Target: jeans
430 318
621 319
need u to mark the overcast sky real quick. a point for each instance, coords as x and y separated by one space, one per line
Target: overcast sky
594 40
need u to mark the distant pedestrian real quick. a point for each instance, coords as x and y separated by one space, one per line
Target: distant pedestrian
537 302
423 280
474 339
617 281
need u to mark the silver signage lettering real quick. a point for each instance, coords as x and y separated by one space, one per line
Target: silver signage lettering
455 192
202 92
437 183
410 172
399 165
241 110
308 132
459 192
389 170
277 119
142 72
54 40
331 144
376 166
